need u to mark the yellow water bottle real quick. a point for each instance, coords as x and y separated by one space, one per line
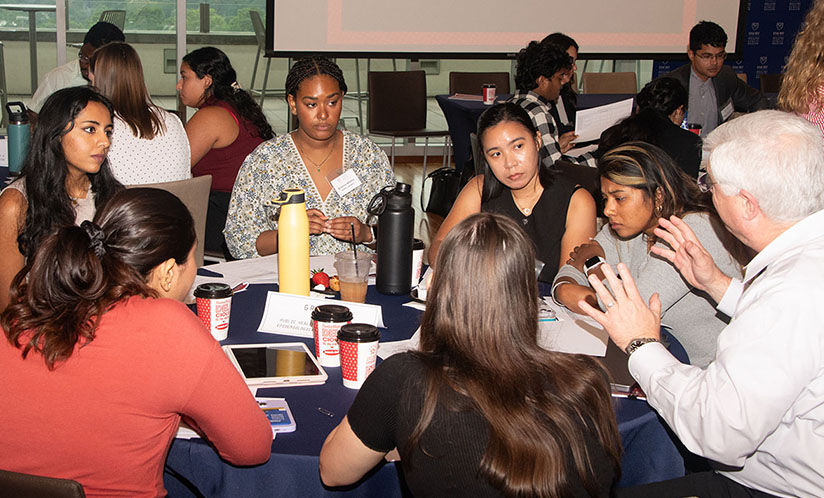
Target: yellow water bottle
293 243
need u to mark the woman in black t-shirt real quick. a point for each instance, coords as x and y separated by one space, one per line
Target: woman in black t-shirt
481 410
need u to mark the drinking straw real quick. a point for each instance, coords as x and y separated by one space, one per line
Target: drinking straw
354 247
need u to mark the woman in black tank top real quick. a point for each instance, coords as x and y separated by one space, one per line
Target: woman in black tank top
556 213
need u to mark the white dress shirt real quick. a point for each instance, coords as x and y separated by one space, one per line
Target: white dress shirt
65 76
759 406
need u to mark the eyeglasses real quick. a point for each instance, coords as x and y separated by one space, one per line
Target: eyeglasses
83 58
708 57
705 183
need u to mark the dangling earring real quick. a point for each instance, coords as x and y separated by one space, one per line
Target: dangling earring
658 210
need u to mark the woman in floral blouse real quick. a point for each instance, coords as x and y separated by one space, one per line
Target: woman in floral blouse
340 171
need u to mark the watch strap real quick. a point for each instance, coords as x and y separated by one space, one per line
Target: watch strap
637 343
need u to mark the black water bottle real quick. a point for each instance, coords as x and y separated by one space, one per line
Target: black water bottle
396 223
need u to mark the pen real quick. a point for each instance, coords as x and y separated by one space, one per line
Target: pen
326 412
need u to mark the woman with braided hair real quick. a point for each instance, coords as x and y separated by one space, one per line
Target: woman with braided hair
340 171
227 126
101 359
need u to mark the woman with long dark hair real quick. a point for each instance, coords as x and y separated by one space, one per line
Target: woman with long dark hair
227 126
556 213
64 178
101 359
149 144
481 410
640 183
312 157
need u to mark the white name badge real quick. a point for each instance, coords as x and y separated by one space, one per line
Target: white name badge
292 315
345 182
727 110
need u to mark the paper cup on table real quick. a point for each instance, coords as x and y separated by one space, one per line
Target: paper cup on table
358 352
417 260
353 272
326 321
214 305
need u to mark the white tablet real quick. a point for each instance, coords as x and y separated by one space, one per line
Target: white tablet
276 365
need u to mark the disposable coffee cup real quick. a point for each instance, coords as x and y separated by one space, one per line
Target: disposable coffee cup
489 91
358 352
353 273
417 260
326 321
214 305
695 128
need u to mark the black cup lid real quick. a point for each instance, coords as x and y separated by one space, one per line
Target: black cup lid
418 244
359 332
213 290
331 313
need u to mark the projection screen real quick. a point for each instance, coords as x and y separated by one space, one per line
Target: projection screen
471 29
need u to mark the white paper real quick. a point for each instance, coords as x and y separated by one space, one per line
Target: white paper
580 151
388 349
4 151
572 333
590 123
292 315
186 432
416 305
263 270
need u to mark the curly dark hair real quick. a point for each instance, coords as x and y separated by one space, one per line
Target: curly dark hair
707 33
536 60
44 168
310 66
212 61
564 42
663 95
79 273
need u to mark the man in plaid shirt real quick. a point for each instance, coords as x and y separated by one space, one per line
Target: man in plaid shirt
542 69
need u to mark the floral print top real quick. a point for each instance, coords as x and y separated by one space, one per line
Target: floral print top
276 165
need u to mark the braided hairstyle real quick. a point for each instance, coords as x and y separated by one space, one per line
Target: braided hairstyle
308 67
536 60
213 62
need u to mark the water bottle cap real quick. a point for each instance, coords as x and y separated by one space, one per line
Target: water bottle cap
21 116
291 196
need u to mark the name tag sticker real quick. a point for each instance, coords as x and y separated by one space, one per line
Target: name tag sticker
345 182
727 110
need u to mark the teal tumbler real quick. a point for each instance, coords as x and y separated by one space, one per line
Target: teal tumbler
19 134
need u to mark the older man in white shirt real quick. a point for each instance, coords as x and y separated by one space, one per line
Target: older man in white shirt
757 410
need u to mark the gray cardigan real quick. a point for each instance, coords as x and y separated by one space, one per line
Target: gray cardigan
690 313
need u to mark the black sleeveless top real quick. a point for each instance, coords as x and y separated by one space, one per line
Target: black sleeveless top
545 225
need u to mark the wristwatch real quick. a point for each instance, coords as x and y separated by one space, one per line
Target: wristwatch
637 343
593 263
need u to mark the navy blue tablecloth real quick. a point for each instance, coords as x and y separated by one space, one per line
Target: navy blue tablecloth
649 452
4 173
462 118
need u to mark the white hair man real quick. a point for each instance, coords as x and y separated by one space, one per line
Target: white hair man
757 410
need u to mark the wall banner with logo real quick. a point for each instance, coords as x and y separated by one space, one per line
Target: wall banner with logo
767 40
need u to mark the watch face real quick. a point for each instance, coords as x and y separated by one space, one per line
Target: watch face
592 262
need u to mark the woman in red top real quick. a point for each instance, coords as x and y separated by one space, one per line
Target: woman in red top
101 359
227 126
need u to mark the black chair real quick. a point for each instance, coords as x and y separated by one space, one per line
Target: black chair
471 83
397 109
771 83
31 486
